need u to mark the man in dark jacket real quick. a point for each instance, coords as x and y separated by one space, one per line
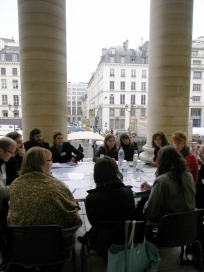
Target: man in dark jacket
36 140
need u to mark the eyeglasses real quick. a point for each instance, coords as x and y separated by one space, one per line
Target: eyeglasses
9 151
51 161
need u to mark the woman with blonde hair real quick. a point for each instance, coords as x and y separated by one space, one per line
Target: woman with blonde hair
37 198
107 149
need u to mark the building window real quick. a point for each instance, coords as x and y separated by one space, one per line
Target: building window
112 59
143 86
73 97
78 103
122 99
16 100
14 71
122 123
197 87
113 51
15 84
112 99
197 75
194 53
122 59
122 85
143 99
111 85
16 113
132 113
133 73
5 113
112 112
195 112
122 112
132 99
3 57
3 84
73 103
73 110
143 112
3 71
197 62
69 110
144 73
112 72
4 100
122 72
196 122
14 57
133 86
196 98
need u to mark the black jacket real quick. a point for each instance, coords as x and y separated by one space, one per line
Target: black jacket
30 144
66 154
101 150
129 151
200 188
113 202
13 165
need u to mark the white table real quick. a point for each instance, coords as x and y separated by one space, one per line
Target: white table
87 168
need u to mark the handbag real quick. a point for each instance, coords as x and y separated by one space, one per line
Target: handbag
132 257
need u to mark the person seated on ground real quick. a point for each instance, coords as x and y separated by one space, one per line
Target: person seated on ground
158 141
200 184
37 198
36 140
111 200
107 149
13 165
128 146
173 190
179 142
63 151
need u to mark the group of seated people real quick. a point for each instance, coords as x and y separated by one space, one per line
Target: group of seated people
37 198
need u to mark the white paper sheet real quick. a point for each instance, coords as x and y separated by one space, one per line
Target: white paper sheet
76 176
74 183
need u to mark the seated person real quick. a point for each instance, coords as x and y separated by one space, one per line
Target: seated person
158 141
200 184
107 149
37 198
36 140
14 164
179 142
174 188
62 151
128 146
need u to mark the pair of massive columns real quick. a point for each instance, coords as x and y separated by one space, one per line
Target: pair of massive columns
42 37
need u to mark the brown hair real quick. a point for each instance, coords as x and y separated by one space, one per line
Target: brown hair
55 134
162 136
109 136
34 160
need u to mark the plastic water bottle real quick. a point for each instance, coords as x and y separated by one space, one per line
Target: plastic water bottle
135 158
124 170
138 170
121 156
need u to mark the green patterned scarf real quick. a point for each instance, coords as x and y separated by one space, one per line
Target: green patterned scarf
185 151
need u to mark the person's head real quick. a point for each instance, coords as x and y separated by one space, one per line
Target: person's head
109 142
201 152
125 139
58 138
169 159
159 139
79 145
17 137
7 148
106 172
179 140
36 159
36 135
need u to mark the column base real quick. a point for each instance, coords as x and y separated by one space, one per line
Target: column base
147 155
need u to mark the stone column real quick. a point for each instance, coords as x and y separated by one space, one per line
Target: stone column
43 60
169 68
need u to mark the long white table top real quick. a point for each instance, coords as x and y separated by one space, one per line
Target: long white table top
148 174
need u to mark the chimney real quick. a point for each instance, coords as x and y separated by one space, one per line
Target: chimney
103 51
126 45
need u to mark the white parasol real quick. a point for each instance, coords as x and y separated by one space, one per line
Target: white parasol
88 135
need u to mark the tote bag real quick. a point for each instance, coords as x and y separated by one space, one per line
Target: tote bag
142 257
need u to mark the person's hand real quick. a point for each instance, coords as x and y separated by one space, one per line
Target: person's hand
73 160
21 150
145 186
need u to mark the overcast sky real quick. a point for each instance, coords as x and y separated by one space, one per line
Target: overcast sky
96 24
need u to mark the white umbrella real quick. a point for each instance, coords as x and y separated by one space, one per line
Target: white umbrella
79 135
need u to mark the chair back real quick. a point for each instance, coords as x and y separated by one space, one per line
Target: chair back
180 229
107 233
35 244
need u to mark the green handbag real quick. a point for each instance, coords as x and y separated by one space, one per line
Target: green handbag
142 257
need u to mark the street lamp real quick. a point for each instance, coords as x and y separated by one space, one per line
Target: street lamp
15 108
129 109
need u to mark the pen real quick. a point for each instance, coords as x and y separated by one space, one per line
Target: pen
73 191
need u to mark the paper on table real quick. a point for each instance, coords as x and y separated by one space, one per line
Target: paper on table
63 165
74 183
75 175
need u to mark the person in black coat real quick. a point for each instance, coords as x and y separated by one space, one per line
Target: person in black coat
109 148
36 140
62 151
200 184
128 146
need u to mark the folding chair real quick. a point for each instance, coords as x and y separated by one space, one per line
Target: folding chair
36 247
105 234
179 230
